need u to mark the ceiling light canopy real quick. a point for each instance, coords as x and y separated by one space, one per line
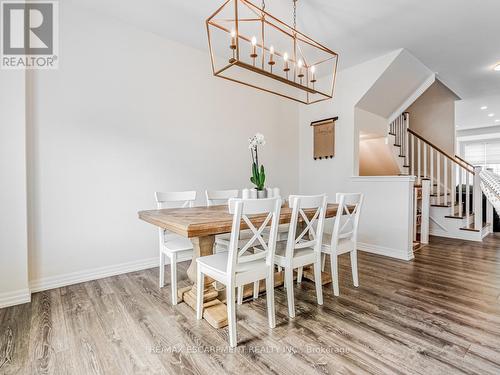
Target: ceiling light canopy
250 46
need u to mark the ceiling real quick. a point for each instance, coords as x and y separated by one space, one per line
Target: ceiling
459 40
469 114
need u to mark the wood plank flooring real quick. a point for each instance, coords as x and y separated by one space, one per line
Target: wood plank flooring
438 314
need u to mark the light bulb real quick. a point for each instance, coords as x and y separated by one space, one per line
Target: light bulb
313 69
300 63
271 50
285 56
233 33
254 41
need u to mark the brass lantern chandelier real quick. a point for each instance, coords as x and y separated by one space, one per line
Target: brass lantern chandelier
250 46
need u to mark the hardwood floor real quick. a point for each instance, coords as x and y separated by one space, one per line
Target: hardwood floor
438 314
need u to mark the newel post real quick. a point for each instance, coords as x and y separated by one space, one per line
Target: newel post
477 199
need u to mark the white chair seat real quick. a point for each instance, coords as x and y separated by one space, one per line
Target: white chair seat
175 244
218 263
345 245
298 254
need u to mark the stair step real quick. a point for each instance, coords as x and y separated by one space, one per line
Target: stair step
470 227
441 195
455 217
441 205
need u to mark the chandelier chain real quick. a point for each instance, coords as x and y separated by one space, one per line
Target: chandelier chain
295 14
263 5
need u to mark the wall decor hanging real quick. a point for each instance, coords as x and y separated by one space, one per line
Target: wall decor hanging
324 138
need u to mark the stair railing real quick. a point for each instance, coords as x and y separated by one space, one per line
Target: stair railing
425 160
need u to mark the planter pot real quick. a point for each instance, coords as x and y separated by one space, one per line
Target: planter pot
261 194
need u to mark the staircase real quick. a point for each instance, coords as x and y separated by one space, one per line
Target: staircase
455 185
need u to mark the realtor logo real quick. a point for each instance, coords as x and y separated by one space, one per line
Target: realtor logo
29 34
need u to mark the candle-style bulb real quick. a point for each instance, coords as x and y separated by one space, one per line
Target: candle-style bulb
253 55
313 76
300 63
313 69
271 57
286 68
233 33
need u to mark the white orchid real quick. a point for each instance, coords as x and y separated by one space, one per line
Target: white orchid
257 140
258 173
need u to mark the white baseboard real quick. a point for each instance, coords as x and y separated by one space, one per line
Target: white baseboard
15 298
52 282
385 251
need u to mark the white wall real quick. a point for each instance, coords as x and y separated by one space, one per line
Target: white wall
432 116
129 113
13 219
335 175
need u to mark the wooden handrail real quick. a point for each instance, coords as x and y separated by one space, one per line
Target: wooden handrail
465 161
453 159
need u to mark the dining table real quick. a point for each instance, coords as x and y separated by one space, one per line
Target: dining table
201 225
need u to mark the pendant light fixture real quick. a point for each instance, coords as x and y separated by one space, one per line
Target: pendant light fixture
250 46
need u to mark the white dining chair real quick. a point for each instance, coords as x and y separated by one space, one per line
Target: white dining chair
172 245
303 249
344 236
242 265
220 197
216 197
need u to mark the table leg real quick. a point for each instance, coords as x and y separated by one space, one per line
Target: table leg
214 311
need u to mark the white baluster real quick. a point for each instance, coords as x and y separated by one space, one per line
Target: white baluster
419 170
478 199
460 179
425 159
467 198
432 169
412 161
438 176
445 166
407 137
452 189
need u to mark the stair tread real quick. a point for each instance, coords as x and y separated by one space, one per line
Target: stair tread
470 227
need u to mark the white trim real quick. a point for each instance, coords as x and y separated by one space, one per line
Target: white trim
385 251
412 98
52 282
383 178
15 298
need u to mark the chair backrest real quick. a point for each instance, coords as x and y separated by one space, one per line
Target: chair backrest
219 196
311 210
347 219
175 199
242 251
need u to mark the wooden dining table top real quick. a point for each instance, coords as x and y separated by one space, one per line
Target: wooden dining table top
208 221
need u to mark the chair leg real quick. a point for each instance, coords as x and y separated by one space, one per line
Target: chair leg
231 315
162 270
289 291
335 273
354 267
256 290
240 295
200 280
300 271
317 281
173 277
271 315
